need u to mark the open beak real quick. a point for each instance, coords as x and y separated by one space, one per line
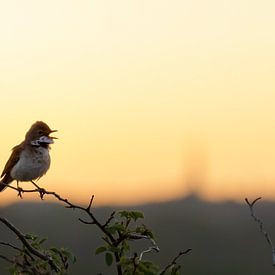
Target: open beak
53 131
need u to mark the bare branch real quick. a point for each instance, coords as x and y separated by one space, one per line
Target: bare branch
150 249
6 259
90 204
261 226
174 261
68 204
85 221
110 218
11 245
14 262
251 204
17 248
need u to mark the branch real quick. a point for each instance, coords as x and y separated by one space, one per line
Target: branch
6 259
68 205
28 246
85 222
11 245
174 261
110 218
261 226
90 203
14 262
42 192
150 249
17 248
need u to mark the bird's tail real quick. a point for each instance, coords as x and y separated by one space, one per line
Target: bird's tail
4 182
3 186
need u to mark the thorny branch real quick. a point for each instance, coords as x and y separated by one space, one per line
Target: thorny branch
261 226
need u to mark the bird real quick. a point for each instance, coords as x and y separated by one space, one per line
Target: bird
30 159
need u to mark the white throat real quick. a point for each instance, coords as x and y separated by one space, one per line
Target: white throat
42 140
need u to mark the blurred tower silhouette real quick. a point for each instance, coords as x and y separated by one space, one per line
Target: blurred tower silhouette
195 168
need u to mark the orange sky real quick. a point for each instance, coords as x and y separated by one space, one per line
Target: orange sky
152 99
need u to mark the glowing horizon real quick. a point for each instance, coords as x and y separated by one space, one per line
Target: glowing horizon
151 99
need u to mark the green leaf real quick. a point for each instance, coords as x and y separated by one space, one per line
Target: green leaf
68 254
55 250
175 270
125 246
30 237
136 215
108 258
100 250
42 240
13 270
113 228
124 214
114 249
144 231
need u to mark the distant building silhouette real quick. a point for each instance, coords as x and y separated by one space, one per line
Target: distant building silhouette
195 168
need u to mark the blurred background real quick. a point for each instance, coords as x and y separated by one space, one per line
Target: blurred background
155 101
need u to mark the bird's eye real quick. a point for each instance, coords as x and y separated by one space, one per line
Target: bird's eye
40 132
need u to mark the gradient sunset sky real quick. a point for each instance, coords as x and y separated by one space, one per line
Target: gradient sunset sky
152 99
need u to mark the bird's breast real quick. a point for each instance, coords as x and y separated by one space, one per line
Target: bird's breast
32 164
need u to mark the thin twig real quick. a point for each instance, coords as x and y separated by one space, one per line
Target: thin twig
11 245
68 204
14 262
150 249
17 248
90 204
85 222
110 218
261 226
135 260
174 261
6 259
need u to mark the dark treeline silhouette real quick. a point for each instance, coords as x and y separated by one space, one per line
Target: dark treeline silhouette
223 237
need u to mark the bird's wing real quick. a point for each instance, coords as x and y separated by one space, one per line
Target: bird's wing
15 155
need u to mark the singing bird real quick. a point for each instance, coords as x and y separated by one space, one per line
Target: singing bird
29 160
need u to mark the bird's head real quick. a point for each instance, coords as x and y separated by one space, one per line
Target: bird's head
39 134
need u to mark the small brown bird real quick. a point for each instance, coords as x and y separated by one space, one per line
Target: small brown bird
29 160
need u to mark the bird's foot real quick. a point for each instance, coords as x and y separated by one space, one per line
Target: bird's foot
42 192
20 192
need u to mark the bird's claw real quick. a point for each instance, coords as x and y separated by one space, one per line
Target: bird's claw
42 192
20 191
